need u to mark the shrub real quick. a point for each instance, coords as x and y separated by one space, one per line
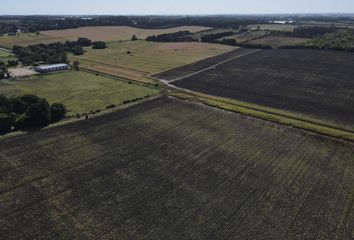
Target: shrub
5 104
111 106
99 45
58 111
7 121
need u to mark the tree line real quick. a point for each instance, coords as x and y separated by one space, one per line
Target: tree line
28 111
342 40
305 32
53 52
181 36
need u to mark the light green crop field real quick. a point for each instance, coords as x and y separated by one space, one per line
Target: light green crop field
146 57
81 92
6 56
277 42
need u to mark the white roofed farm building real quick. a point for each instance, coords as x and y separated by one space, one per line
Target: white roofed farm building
51 68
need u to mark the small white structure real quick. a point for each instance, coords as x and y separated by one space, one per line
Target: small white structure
51 68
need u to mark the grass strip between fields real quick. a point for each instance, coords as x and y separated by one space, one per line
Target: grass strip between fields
268 114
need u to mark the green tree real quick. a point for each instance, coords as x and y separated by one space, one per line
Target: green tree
38 114
85 42
99 45
58 111
18 105
76 65
78 50
5 104
7 121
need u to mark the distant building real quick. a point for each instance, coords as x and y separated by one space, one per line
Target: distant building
51 68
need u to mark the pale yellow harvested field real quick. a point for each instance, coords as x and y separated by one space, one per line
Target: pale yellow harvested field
146 57
117 33
25 39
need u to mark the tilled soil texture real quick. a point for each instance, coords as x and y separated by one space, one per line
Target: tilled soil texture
169 169
317 83
183 71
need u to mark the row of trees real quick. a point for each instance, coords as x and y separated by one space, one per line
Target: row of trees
28 111
181 36
54 52
214 37
342 40
306 32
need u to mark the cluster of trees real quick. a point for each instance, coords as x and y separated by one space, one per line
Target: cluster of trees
11 24
99 45
53 52
233 42
342 40
28 111
305 32
3 70
181 36
214 37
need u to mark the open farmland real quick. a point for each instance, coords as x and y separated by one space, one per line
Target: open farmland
300 81
200 34
149 173
274 27
6 56
277 42
25 39
4 53
116 33
247 36
194 68
146 57
81 92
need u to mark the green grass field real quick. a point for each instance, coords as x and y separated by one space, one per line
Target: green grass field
146 57
81 92
6 56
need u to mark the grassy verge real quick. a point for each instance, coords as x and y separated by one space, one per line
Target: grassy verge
272 115
80 91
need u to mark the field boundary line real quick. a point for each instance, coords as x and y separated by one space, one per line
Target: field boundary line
210 67
124 79
198 61
259 108
301 124
110 65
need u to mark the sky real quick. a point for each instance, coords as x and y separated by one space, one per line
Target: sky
168 7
